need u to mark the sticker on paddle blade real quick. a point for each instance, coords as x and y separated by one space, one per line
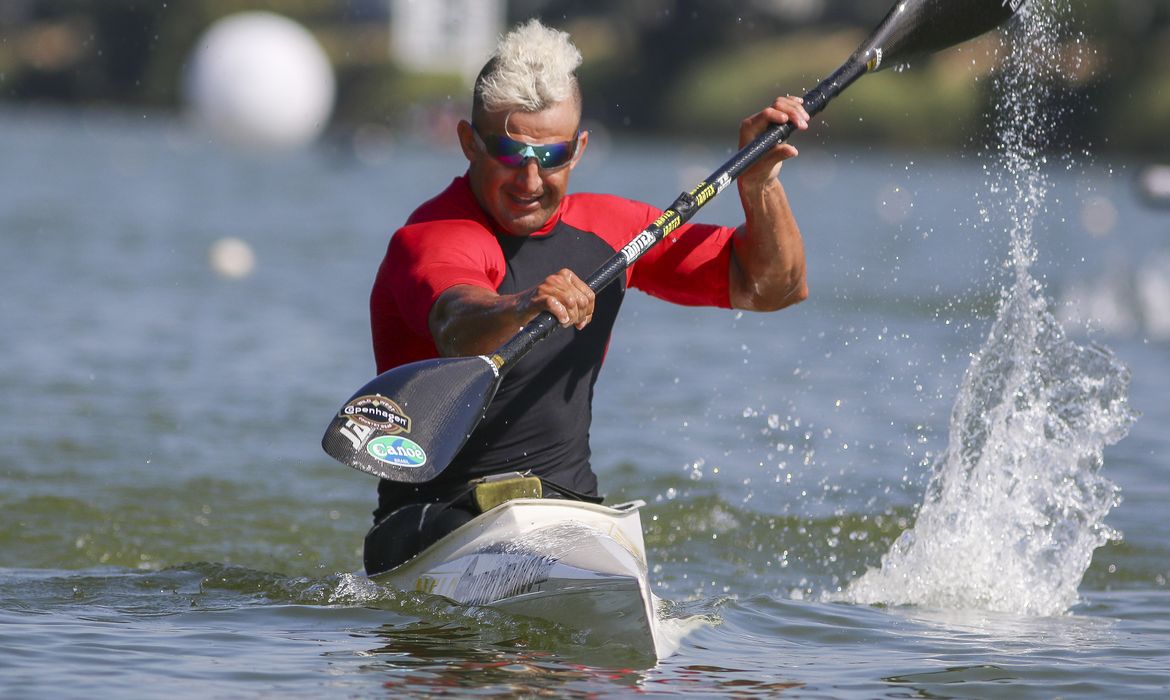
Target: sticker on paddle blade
377 412
398 451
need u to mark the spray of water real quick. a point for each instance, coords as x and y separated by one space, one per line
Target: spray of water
1016 503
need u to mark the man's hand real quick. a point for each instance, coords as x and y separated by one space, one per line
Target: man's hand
470 320
783 110
565 296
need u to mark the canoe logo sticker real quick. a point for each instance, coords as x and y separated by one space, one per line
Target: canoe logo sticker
397 450
377 412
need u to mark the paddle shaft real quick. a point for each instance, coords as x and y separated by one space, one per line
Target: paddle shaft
681 210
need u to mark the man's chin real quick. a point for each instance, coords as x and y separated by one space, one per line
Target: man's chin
524 225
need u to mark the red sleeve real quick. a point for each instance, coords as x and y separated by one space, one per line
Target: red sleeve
691 266
423 261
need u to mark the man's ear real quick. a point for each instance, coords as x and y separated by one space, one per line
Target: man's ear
466 138
583 141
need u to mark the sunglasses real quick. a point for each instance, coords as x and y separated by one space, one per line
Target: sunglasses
513 153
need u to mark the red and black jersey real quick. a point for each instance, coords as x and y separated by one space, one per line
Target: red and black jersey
540 417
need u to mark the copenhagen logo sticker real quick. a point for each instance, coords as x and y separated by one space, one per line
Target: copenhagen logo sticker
398 451
377 412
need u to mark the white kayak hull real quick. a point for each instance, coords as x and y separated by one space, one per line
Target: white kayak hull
577 564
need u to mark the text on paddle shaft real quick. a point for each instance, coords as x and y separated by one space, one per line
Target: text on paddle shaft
672 218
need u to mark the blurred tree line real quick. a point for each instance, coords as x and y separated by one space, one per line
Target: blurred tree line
652 66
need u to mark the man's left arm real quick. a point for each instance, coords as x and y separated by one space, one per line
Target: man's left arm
767 255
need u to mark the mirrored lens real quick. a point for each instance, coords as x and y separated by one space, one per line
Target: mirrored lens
514 153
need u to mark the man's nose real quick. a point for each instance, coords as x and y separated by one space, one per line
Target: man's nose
529 174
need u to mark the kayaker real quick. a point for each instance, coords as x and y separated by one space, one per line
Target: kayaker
506 241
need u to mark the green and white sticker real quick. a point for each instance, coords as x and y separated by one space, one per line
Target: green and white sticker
397 450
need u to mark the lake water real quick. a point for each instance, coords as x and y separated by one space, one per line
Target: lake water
170 527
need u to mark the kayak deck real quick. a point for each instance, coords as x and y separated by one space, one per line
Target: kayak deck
577 564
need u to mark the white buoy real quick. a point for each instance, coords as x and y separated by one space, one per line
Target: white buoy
231 257
260 80
1154 184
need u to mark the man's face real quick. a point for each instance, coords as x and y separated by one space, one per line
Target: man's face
522 198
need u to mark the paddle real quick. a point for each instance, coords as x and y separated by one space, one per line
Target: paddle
407 424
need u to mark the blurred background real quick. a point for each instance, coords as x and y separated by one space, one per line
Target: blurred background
664 67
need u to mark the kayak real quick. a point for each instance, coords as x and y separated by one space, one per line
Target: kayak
577 564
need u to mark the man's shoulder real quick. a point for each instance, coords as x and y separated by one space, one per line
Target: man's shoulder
454 203
609 216
453 214
589 202
449 233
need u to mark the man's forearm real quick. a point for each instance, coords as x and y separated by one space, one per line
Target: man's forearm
767 260
469 320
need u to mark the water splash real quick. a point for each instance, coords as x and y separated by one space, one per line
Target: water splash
1016 503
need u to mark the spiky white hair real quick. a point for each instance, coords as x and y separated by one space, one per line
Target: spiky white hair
531 70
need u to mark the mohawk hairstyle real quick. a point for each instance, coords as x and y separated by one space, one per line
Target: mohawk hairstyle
532 69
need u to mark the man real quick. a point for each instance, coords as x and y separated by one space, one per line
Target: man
505 242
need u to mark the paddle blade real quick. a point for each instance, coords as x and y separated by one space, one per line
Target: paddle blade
407 424
915 28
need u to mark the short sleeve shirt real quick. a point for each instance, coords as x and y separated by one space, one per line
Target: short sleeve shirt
541 415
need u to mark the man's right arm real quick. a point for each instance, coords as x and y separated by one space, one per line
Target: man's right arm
471 320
